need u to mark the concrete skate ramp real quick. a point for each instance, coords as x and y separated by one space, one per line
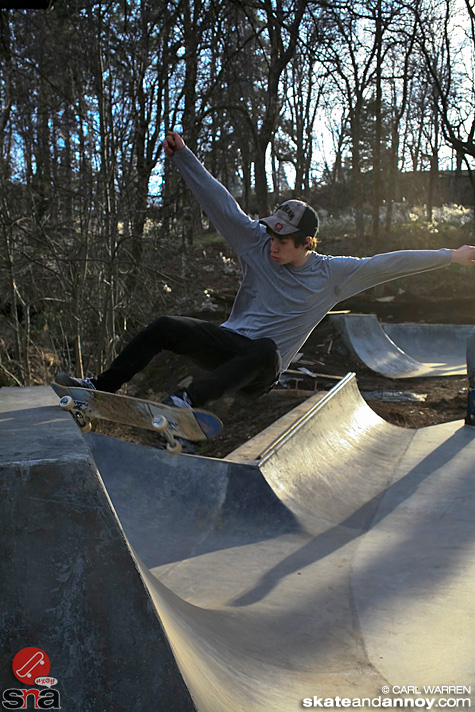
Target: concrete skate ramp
406 350
338 560
334 563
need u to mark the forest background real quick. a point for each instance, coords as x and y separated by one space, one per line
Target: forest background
366 110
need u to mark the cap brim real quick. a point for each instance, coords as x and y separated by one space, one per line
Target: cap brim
272 221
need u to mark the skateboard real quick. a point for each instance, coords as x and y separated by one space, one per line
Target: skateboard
86 405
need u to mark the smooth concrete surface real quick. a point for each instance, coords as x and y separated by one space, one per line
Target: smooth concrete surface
406 350
339 560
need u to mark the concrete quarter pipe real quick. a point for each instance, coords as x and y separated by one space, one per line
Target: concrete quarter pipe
406 350
337 561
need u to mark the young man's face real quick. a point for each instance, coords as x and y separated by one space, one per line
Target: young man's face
284 252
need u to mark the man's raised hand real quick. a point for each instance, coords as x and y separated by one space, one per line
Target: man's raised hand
173 142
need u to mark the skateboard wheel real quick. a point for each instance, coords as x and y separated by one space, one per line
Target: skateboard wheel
85 426
160 423
174 449
66 403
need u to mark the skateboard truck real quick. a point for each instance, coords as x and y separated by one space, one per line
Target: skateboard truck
162 426
68 403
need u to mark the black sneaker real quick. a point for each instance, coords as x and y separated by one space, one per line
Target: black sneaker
70 382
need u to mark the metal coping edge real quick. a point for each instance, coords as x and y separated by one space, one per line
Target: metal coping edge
282 439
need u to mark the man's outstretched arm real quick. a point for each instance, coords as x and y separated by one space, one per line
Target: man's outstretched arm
351 275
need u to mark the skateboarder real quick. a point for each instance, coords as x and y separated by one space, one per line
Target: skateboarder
287 288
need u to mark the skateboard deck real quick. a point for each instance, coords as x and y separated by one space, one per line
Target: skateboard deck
86 405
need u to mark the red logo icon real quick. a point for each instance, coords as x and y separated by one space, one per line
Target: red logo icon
30 663
278 226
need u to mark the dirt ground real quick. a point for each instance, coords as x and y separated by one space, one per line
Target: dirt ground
325 354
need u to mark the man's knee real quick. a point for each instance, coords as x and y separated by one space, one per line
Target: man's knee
163 323
181 335
165 330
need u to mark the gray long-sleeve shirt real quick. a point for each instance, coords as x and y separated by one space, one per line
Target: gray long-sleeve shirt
283 302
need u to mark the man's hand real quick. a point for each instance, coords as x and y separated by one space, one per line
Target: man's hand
465 255
173 142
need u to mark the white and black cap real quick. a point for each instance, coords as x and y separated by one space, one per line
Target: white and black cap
291 217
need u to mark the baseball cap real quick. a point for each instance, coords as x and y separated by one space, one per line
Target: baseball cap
293 216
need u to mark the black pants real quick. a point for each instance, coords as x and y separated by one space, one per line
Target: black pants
235 362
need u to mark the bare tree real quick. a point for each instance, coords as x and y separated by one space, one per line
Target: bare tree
304 85
447 43
348 53
272 30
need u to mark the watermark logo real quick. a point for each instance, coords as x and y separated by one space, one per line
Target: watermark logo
31 666
427 697
28 663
